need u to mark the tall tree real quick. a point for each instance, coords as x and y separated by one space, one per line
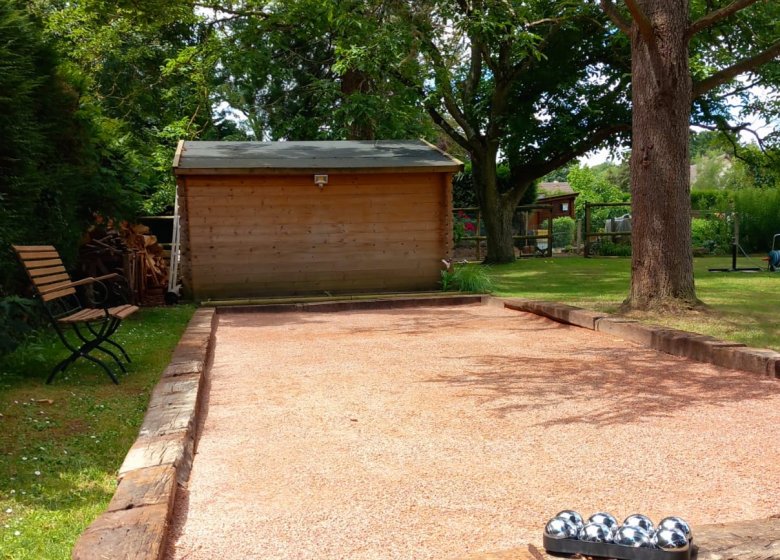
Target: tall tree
56 168
663 90
145 69
279 70
530 84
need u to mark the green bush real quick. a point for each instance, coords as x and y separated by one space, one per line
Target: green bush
711 199
759 217
711 235
19 317
607 248
563 231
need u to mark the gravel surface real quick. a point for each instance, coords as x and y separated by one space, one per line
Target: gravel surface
436 432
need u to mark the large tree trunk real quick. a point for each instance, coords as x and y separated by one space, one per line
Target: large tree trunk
496 212
662 257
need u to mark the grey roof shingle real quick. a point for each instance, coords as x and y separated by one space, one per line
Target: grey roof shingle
313 156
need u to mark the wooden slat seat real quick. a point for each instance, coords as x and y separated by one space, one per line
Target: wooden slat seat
92 314
93 326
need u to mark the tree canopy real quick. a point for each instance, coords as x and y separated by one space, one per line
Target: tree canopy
525 87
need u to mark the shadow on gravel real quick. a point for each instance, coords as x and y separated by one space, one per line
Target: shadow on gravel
631 384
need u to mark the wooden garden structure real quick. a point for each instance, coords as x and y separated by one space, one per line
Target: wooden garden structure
322 217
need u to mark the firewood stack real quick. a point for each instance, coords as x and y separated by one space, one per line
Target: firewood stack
132 252
151 265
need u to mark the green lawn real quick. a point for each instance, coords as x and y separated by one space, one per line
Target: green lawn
742 306
61 444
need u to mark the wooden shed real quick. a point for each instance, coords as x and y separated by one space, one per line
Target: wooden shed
285 218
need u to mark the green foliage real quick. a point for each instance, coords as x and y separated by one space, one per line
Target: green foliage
594 189
563 231
463 225
712 235
57 167
713 200
467 278
608 248
19 317
312 70
759 217
146 71
464 192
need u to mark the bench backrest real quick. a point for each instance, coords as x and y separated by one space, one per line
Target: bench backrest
45 270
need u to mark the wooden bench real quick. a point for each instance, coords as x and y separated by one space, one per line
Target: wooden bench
90 327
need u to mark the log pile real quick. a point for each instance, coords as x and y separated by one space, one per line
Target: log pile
131 251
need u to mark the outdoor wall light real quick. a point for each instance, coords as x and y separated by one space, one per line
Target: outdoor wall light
321 181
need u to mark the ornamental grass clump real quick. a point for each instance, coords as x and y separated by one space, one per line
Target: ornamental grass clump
465 277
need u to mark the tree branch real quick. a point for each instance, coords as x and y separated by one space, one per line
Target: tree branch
617 18
577 150
744 65
640 19
475 72
442 123
445 86
714 17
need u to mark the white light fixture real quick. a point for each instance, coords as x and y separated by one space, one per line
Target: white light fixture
321 181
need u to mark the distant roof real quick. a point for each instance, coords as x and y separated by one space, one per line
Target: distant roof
311 156
554 189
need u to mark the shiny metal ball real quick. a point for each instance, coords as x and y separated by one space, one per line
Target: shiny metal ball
605 518
639 520
560 528
595 532
572 516
677 523
670 539
633 536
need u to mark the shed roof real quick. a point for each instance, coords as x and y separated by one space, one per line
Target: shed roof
554 188
195 157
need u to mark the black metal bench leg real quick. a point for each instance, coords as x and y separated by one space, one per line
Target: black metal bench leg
104 366
114 356
62 366
83 352
105 335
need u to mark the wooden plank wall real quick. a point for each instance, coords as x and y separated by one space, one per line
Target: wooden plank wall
281 235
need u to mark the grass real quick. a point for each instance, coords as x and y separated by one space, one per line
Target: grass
741 306
62 444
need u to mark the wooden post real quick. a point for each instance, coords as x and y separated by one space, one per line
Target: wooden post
479 222
578 230
587 230
550 233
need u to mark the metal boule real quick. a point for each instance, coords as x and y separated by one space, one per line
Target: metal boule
605 518
560 528
677 523
639 520
573 516
670 539
595 532
633 536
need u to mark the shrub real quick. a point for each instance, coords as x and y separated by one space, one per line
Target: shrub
19 317
463 225
711 235
607 248
563 231
709 199
759 217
